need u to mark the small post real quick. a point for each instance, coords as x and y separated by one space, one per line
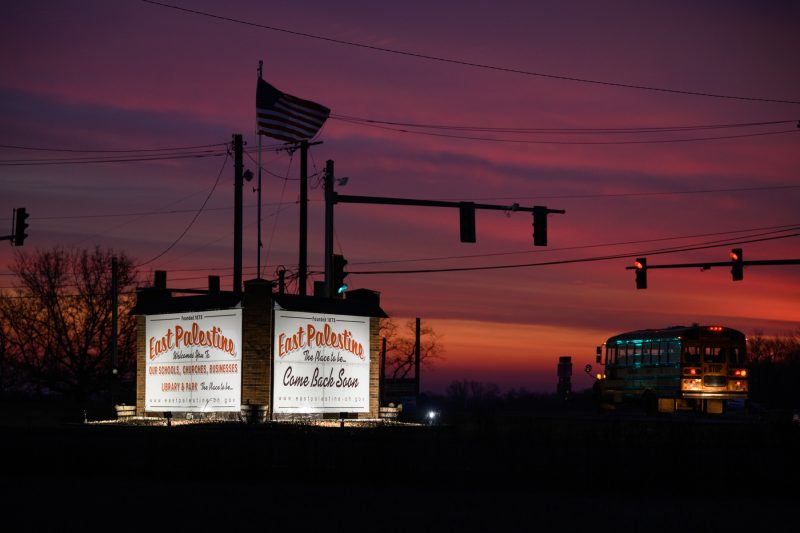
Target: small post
382 377
114 312
417 359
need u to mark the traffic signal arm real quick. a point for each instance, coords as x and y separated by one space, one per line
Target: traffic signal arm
736 265
467 212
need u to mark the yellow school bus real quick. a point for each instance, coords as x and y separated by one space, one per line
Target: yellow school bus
699 368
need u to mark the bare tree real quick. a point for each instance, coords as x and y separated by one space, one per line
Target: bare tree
57 319
774 369
776 349
400 346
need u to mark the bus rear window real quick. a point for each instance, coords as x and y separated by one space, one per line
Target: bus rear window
691 354
736 356
714 354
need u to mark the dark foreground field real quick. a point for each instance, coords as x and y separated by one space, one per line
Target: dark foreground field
545 473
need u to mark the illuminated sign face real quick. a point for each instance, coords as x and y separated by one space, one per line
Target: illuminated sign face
320 363
193 361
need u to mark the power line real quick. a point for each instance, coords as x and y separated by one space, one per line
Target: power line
150 213
535 141
193 219
662 251
131 150
569 261
604 130
470 63
631 194
483 198
84 160
775 229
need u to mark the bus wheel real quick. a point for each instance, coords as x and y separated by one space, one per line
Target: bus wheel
650 403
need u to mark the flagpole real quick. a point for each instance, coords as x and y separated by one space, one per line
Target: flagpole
258 246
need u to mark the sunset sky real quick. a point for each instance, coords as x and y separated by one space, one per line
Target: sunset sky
655 125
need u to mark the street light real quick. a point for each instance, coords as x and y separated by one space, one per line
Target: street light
432 417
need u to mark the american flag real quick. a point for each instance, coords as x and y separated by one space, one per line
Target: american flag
286 117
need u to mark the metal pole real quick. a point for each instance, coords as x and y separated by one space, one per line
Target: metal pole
258 247
417 357
114 312
329 289
382 379
302 266
238 185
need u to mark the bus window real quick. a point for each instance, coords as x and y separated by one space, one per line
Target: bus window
635 354
673 352
655 352
714 354
736 356
611 355
691 354
646 353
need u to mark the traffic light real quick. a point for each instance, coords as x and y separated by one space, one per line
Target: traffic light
467 221
339 274
737 264
20 225
641 272
540 225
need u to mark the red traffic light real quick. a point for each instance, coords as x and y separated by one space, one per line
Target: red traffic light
641 272
737 264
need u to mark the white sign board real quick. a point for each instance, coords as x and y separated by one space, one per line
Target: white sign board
320 363
193 361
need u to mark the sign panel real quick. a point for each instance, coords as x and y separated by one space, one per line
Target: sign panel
193 361
320 363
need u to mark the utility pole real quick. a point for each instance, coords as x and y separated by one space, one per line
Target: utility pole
302 267
258 246
329 288
238 185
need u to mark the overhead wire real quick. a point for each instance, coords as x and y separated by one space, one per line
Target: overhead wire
774 229
200 210
559 142
107 159
116 151
569 261
596 130
472 64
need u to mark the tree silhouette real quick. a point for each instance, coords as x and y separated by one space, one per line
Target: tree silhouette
56 321
400 344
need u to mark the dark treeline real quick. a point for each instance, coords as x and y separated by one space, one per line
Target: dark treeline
774 367
55 343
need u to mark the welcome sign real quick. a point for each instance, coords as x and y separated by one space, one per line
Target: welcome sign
320 363
193 361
